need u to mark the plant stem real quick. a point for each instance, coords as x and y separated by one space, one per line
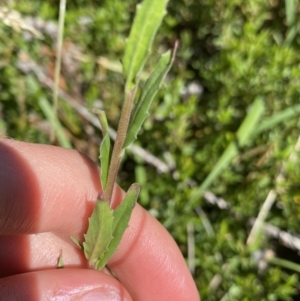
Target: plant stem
62 10
118 152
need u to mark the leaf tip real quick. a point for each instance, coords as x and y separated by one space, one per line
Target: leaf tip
77 243
136 187
60 261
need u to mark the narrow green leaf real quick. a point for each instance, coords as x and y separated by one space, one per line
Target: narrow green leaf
274 120
52 118
250 122
60 262
121 219
59 46
104 159
148 18
99 234
290 11
77 243
290 35
151 87
104 147
244 133
287 264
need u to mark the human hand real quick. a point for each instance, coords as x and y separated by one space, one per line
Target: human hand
46 195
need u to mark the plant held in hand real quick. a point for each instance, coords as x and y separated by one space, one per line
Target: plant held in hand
107 225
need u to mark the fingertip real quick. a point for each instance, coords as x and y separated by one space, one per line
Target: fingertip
150 264
63 284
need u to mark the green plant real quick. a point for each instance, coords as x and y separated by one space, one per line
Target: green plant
107 225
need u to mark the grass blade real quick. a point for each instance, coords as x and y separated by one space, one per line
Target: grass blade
58 128
277 118
61 22
243 134
148 18
287 264
290 11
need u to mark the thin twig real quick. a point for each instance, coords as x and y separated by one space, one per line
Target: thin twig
286 239
270 199
206 223
268 203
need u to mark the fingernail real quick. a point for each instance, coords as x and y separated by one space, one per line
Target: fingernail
103 295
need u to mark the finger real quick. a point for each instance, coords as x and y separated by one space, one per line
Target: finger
62 188
23 253
149 263
45 188
64 284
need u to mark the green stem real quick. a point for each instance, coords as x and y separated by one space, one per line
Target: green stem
117 153
62 10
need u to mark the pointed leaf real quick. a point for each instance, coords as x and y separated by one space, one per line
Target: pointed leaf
77 243
104 159
60 262
151 87
104 147
99 234
146 22
121 219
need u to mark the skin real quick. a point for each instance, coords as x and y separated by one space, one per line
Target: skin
47 194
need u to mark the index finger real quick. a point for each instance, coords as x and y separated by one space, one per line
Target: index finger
50 189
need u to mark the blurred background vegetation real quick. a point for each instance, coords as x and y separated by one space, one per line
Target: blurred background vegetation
236 59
